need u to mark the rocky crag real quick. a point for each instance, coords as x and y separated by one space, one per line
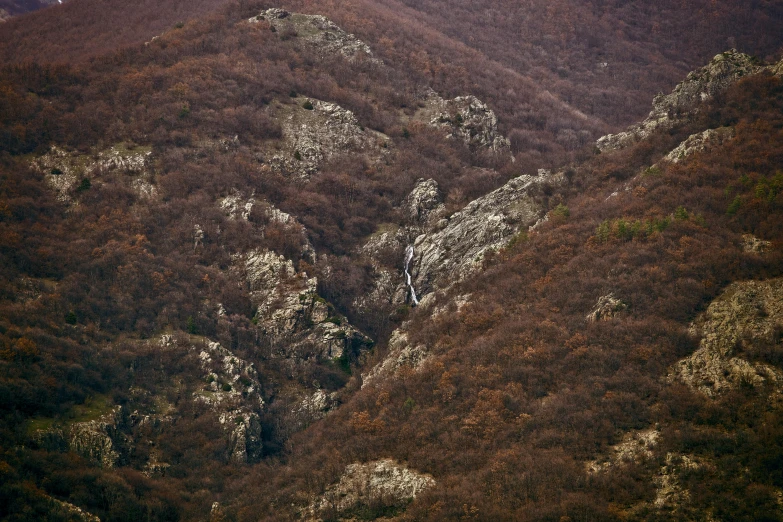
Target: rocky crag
465 118
700 85
315 131
316 34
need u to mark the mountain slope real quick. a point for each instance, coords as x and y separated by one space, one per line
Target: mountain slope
533 380
210 247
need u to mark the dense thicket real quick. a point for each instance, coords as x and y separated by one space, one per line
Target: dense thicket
521 383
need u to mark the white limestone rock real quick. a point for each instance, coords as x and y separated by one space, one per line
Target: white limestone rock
64 170
635 447
237 206
752 244
232 389
290 311
71 512
401 353
670 494
700 142
94 439
424 205
449 254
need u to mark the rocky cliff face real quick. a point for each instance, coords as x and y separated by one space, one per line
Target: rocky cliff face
635 447
454 247
449 248
291 313
699 86
700 142
102 440
401 353
232 391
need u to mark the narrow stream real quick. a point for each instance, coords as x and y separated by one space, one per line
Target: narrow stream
408 258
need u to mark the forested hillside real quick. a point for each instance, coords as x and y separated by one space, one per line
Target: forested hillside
360 260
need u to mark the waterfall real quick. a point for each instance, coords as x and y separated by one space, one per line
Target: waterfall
408 259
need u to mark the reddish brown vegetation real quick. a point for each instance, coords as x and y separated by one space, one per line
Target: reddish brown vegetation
522 390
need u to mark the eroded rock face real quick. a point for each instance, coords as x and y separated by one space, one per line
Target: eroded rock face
424 205
72 512
317 33
290 311
700 142
232 390
777 69
670 494
465 118
446 249
93 440
747 313
380 482
699 86
315 131
450 254
752 244
237 206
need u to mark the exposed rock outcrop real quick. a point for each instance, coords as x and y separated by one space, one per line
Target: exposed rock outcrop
290 311
777 68
670 494
231 380
237 206
317 33
752 244
447 249
71 512
377 483
465 118
449 254
635 446
401 353
700 142
315 131
607 307
232 390
64 171
747 313
95 439
424 205
699 86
